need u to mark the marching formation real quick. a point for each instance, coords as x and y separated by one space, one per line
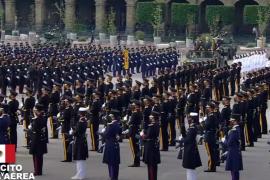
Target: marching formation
72 89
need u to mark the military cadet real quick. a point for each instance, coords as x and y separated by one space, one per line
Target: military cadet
191 100
210 137
234 161
134 126
191 157
13 106
111 154
232 79
238 76
136 93
257 104
66 119
153 89
80 148
54 109
225 115
206 94
94 121
165 108
250 119
77 104
146 112
28 106
151 155
263 108
180 110
4 124
67 90
172 119
38 138
238 108
44 99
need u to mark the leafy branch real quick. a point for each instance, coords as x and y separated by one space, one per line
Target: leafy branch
263 19
157 19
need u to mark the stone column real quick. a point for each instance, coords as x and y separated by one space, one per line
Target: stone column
229 2
70 16
10 14
100 15
40 9
130 16
167 22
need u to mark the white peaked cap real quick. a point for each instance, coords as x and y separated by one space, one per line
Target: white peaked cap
83 109
193 114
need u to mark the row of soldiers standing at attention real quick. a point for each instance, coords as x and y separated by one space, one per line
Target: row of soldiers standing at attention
23 65
171 97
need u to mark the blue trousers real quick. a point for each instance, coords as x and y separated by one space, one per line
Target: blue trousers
235 175
113 171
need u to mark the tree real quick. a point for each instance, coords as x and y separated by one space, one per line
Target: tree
110 23
263 19
157 18
215 25
190 25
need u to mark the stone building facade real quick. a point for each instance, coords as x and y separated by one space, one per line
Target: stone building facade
36 14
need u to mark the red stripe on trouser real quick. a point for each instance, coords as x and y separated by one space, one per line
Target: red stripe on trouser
10 153
151 172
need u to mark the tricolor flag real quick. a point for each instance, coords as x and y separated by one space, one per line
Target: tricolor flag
7 153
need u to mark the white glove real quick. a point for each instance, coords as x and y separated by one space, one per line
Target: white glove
103 130
125 118
201 120
141 133
223 139
71 131
180 137
126 131
58 115
30 126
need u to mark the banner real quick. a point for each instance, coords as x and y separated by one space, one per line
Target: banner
126 59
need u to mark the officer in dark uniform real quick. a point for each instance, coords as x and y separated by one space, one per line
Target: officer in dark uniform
151 155
210 137
13 106
77 104
66 119
67 90
28 106
238 108
134 126
172 119
250 118
234 162
4 124
38 138
80 148
225 115
165 108
146 112
54 109
191 157
180 110
111 154
94 122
